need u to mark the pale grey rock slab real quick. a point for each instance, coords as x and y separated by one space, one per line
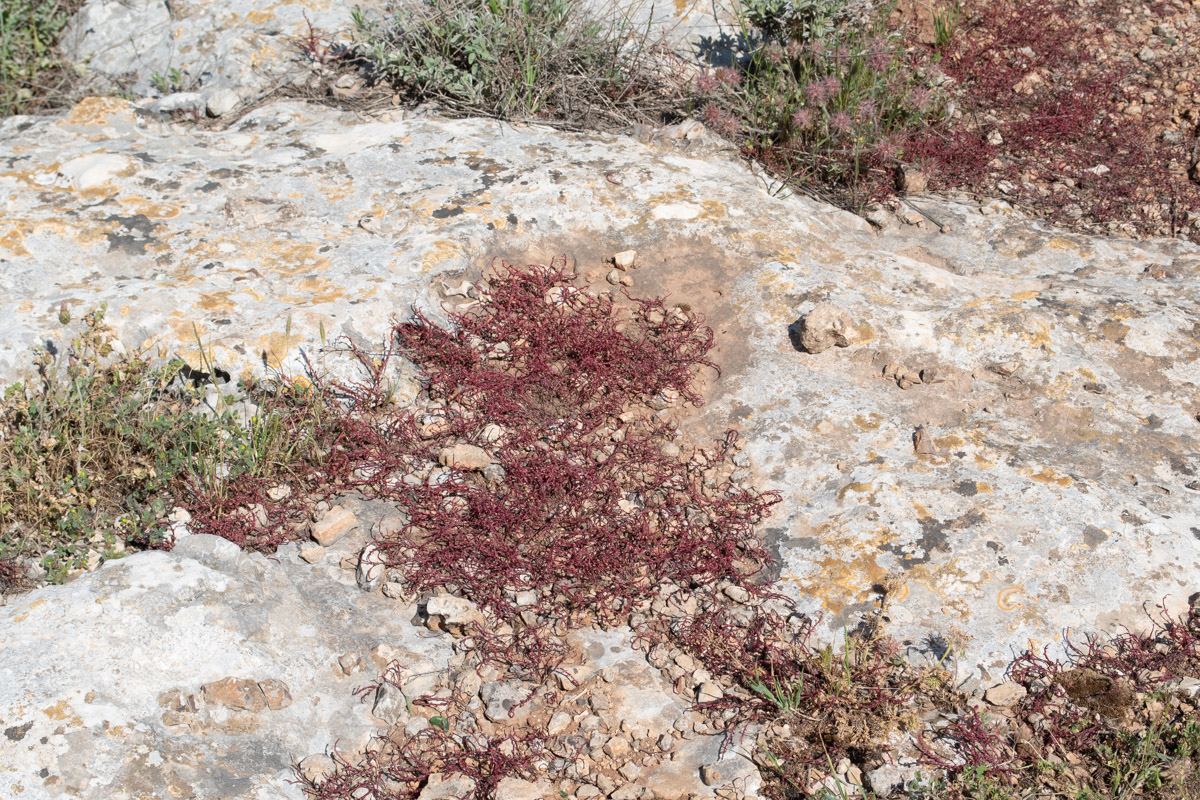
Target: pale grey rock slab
215 45
1041 506
100 680
1045 509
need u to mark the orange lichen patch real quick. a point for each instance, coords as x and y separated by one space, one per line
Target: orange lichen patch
871 422
1061 386
865 488
34 177
276 347
983 487
316 290
96 111
380 211
983 460
151 209
951 585
1026 295
101 192
1061 243
922 511
865 334
501 222
949 441
439 251
13 240
289 258
713 210
423 207
1047 475
215 301
775 290
62 712
259 17
335 192
848 575
1006 599
198 249
1037 333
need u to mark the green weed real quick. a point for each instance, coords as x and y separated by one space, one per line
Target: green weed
945 24
787 698
170 82
823 100
94 456
32 74
519 59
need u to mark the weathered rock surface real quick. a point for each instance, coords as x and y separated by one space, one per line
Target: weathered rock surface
205 673
1039 504
1056 485
217 47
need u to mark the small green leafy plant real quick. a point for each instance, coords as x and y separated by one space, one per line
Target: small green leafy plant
786 697
170 82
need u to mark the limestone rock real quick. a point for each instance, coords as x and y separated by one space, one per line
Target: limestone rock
455 614
1005 694
372 566
241 695
516 789
222 101
447 787
390 704
276 692
464 456
506 702
1186 686
191 223
335 524
312 553
885 780
317 767
824 327
207 655
625 259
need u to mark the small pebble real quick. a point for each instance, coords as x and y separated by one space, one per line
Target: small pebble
312 553
625 259
923 442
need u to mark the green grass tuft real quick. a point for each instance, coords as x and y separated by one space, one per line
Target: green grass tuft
33 74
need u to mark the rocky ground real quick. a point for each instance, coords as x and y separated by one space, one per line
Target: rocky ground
1085 113
981 430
